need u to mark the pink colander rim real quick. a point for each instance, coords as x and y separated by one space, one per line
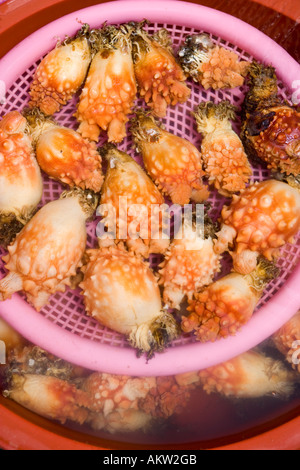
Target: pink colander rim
180 359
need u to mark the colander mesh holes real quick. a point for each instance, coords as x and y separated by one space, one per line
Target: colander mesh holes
67 310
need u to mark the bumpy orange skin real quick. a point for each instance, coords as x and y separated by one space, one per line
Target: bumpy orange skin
108 95
188 266
120 420
16 151
46 253
222 70
110 392
20 177
111 271
226 162
122 403
50 397
142 398
160 78
174 164
66 156
211 65
60 75
279 145
287 341
221 309
122 293
261 220
126 179
250 375
167 398
13 123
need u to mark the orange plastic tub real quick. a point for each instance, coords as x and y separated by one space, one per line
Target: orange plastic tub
21 429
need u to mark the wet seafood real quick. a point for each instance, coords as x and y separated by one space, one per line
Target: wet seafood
211 65
120 420
115 402
61 73
223 154
170 396
64 154
160 78
262 219
21 185
250 375
133 197
270 127
122 403
173 163
35 361
49 249
287 341
190 264
110 88
222 308
43 384
122 293
48 396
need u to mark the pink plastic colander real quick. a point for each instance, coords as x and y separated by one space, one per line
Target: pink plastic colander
62 327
